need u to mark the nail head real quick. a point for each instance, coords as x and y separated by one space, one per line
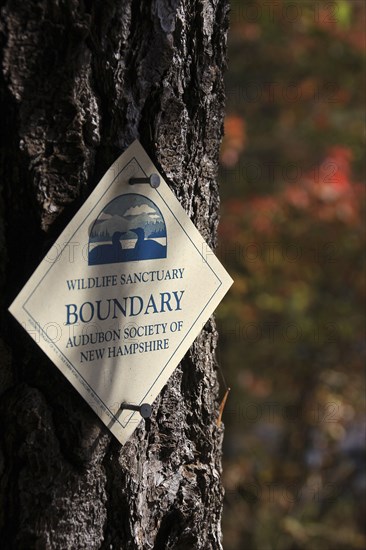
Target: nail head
145 410
153 180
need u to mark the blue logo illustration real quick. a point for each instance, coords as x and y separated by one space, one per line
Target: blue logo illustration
130 228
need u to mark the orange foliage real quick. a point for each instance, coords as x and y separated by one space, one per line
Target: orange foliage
234 140
326 193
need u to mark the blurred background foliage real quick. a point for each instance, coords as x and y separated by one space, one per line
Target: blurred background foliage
292 235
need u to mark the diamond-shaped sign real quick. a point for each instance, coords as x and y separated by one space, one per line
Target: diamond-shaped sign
123 292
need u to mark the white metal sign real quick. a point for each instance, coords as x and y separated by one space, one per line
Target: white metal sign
123 292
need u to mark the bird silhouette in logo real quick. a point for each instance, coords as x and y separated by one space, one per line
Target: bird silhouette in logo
107 253
146 249
130 228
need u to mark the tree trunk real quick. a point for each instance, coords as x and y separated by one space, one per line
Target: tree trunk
80 81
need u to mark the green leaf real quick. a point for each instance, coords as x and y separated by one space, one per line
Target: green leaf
344 13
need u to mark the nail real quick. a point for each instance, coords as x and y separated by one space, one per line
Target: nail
144 409
153 180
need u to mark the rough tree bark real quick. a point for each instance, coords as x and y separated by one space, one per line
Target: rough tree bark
80 81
